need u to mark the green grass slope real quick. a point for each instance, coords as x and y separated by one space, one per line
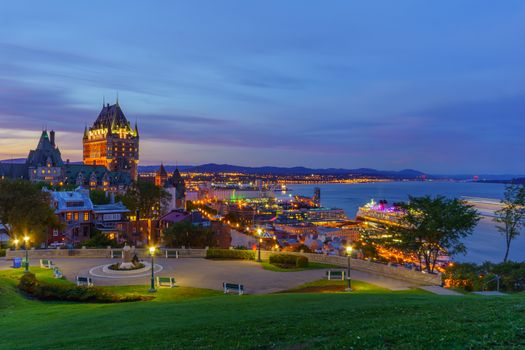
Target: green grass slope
190 318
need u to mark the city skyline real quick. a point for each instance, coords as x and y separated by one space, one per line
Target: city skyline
437 88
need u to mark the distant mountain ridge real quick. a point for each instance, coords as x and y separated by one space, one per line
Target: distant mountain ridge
227 168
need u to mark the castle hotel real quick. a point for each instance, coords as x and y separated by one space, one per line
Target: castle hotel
110 156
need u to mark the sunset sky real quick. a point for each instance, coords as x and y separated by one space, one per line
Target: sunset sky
435 86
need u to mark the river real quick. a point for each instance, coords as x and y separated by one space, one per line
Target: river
486 243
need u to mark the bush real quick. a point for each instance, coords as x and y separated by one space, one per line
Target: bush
2 252
230 254
66 292
288 260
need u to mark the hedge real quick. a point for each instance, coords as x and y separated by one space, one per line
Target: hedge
288 260
67 292
230 254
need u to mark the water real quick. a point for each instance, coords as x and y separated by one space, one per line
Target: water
486 243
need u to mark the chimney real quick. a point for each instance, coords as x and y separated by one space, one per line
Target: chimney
52 137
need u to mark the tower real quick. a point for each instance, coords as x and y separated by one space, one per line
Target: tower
45 163
161 176
112 142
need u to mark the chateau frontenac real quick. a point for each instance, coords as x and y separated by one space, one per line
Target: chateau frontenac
110 156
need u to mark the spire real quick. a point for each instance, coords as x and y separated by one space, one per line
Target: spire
85 132
103 101
136 128
117 99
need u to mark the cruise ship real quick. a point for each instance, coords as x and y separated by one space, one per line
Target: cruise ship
381 213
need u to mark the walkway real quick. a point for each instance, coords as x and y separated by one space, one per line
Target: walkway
202 273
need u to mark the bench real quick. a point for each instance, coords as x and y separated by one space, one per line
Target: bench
84 281
116 253
57 273
166 282
233 288
172 254
335 275
46 263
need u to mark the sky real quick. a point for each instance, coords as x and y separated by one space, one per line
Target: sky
435 86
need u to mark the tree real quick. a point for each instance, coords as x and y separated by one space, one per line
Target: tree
433 226
98 197
186 234
510 216
146 197
25 209
98 239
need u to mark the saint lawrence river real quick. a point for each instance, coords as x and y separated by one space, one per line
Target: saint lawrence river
486 243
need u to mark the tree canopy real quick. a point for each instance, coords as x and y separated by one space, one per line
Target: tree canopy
510 216
25 209
434 226
146 197
186 234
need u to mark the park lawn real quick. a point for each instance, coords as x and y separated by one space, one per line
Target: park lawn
335 286
311 266
363 320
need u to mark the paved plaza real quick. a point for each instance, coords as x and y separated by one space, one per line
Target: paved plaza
203 273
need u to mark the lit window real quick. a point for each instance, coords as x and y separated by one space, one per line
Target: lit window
68 216
86 216
76 216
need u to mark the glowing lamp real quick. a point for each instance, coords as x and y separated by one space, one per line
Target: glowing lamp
26 239
349 250
152 250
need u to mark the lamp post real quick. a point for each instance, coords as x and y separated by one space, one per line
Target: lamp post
15 241
26 243
152 286
349 254
259 231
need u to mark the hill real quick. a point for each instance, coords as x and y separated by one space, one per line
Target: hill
272 170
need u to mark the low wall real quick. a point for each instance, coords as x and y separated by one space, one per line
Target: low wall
101 253
400 273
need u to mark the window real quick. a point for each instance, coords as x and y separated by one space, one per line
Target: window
86 216
55 232
68 216
76 216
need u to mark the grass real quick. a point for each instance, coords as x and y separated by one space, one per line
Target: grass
358 287
189 318
311 266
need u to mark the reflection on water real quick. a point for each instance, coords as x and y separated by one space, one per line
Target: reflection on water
486 243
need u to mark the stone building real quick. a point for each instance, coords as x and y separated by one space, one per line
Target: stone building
112 142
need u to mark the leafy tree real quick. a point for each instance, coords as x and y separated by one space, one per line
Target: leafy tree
510 216
25 209
433 226
100 240
98 197
186 234
146 197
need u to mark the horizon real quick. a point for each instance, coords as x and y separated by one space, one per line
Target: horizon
432 87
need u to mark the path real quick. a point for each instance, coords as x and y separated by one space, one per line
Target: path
202 273
440 290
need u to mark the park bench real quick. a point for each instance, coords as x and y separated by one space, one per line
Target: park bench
84 281
46 263
116 253
172 254
335 275
233 288
57 273
166 282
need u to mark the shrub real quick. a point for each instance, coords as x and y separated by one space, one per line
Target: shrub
2 252
64 292
135 267
288 260
230 254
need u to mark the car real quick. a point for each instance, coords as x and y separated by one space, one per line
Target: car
57 245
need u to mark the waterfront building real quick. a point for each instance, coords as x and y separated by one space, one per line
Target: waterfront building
112 142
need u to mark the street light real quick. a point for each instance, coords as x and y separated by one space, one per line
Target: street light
259 232
348 253
26 243
15 241
152 253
